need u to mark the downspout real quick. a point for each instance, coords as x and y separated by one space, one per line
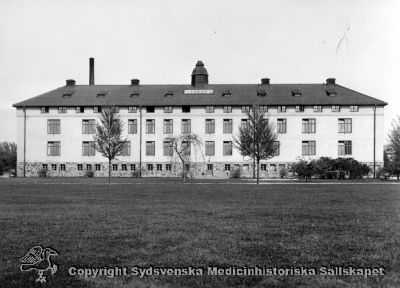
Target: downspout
374 139
140 144
24 141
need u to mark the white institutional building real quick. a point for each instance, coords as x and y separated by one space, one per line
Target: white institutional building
55 129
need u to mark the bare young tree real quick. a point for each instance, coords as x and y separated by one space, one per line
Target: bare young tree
394 147
258 138
108 136
181 147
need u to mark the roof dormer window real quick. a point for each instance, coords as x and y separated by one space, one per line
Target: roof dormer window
169 93
296 92
135 94
67 93
261 92
227 93
102 94
331 92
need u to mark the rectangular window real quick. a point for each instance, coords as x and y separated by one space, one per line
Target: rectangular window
88 148
168 167
281 109
159 167
44 166
210 148
227 151
263 167
54 167
317 108
168 126
80 167
263 108
150 148
185 148
185 109
53 148
168 109
123 167
227 125
168 148
244 124
309 125
150 109
133 167
53 126
273 167
186 126
308 148
89 167
132 126
353 108
277 145
88 126
97 167
227 167
97 109
132 109
335 108
344 125
115 167
299 108
150 167
210 126
150 126
344 148
281 125
62 167
209 109
45 110
245 109
227 109
210 167
62 109
126 150
80 109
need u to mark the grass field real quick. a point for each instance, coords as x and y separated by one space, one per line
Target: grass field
171 224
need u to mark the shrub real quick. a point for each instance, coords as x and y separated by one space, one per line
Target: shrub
236 174
42 173
89 173
135 174
283 172
304 169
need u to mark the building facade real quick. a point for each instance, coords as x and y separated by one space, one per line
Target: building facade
55 129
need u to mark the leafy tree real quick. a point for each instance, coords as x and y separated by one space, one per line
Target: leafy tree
8 155
108 136
394 147
181 147
258 138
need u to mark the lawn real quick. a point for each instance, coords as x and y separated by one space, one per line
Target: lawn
171 224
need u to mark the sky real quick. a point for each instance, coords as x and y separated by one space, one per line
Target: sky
45 42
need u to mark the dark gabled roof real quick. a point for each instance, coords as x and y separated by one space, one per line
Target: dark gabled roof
241 94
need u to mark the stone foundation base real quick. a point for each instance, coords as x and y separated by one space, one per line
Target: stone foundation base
196 170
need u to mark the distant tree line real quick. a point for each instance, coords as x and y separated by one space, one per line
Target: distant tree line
392 163
8 156
328 168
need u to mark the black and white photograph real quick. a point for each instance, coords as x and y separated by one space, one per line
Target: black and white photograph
186 143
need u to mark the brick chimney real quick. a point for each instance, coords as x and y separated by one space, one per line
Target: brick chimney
330 81
135 82
91 71
265 81
70 82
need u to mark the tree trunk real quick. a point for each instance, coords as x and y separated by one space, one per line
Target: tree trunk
258 171
254 167
183 171
109 171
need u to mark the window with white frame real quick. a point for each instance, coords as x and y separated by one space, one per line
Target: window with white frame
245 109
132 126
62 109
126 150
227 125
227 109
344 125
88 126
281 125
150 126
281 109
344 148
168 148
150 148
132 109
209 109
353 108
317 108
186 126
53 148
308 148
88 148
335 108
299 108
210 148
210 126
308 125
168 109
168 126
227 149
53 126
